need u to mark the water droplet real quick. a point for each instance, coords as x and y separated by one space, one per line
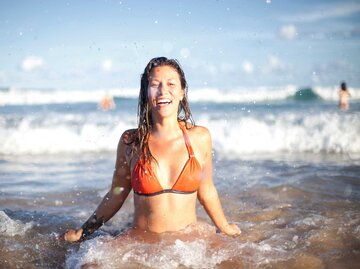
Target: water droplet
58 202
118 190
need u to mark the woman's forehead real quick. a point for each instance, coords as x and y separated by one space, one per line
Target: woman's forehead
164 71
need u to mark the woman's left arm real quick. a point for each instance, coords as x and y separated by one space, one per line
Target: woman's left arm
207 193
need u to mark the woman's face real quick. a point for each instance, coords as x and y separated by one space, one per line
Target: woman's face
164 91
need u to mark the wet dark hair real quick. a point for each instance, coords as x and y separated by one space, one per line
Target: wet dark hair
343 86
145 121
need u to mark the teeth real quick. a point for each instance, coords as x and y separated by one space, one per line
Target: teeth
164 101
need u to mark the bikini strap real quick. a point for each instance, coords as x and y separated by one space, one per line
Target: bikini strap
187 142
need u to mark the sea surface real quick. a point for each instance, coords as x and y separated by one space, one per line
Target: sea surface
286 167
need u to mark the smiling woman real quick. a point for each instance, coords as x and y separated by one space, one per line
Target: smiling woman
167 161
165 92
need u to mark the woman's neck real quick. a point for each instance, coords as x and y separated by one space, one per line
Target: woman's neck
166 129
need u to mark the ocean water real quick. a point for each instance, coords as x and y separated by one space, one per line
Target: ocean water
286 166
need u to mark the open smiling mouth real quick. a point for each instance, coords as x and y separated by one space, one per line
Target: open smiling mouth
164 102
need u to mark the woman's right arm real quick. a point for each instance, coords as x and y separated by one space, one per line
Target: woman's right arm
113 200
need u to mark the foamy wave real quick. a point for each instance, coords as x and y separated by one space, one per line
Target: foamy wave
326 132
323 133
241 95
14 96
264 94
196 254
10 227
198 251
52 137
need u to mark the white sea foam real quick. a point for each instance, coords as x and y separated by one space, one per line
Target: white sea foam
10 227
196 254
327 132
54 136
241 95
314 220
263 94
16 96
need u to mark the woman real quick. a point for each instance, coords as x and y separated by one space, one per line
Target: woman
167 161
344 96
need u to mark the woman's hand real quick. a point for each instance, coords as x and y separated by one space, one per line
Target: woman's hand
72 235
231 229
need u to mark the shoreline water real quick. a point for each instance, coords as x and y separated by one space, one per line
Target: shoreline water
292 211
287 173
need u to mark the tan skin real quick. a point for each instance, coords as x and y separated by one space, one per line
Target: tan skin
160 213
344 96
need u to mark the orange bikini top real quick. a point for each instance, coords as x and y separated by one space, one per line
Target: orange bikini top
145 182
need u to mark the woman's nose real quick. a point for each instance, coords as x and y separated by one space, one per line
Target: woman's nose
162 88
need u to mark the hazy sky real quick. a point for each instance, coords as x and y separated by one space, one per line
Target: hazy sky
223 44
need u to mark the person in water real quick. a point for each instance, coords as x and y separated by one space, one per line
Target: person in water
107 102
166 161
344 96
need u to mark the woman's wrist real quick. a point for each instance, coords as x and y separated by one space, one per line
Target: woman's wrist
230 229
224 227
91 225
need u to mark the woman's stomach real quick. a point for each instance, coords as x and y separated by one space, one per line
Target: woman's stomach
164 212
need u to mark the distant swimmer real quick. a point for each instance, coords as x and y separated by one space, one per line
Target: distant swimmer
344 96
107 102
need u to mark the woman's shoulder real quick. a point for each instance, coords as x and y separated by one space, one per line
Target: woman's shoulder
198 129
127 141
200 133
128 136
200 139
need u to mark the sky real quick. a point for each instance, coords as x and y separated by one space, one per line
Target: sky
229 44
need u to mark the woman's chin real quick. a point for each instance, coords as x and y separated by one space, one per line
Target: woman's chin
165 112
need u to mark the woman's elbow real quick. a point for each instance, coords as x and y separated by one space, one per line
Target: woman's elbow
205 195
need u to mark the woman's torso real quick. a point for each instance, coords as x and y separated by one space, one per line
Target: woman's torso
170 205
344 96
